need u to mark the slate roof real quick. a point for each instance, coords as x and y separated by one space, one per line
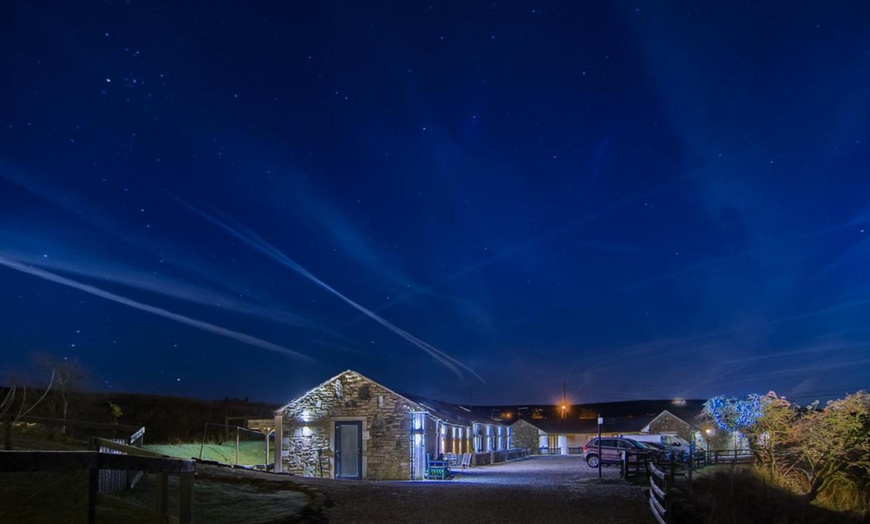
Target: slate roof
451 413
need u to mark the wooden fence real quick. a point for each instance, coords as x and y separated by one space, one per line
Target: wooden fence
572 450
633 464
134 459
110 481
661 484
729 456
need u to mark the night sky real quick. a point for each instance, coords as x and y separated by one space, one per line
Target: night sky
474 201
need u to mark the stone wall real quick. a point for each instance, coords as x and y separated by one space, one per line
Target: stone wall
524 435
309 427
668 423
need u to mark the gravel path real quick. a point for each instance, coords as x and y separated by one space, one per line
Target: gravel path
539 489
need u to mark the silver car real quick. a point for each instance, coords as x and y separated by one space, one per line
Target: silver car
611 450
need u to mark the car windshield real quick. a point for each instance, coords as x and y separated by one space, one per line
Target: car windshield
640 445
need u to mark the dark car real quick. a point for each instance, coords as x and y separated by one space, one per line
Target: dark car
611 450
659 452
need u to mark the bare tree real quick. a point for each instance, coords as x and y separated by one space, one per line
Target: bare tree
69 377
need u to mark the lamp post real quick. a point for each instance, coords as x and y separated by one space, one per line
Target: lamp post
600 422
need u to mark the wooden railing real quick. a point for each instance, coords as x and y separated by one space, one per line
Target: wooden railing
661 483
134 459
633 464
729 456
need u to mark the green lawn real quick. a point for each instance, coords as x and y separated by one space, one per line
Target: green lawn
250 452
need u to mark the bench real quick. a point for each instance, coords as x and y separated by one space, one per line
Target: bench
436 469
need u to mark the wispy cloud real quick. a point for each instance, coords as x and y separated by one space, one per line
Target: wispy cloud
115 273
97 216
199 324
349 237
257 243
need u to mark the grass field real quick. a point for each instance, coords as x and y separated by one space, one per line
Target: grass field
250 452
228 502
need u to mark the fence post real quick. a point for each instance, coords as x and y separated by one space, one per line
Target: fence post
669 486
237 445
185 498
93 485
162 502
691 465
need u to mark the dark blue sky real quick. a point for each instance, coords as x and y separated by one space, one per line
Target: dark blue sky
457 199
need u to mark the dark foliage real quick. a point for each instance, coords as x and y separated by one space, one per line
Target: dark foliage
741 496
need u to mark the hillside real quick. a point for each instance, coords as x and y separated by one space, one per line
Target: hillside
166 419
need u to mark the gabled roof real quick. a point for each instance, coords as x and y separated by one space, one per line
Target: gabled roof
333 379
444 411
690 421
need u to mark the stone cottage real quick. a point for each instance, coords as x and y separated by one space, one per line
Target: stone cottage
352 427
670 424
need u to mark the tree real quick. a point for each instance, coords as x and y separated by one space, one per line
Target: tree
833 445
736 416
69 378
772 435
823 455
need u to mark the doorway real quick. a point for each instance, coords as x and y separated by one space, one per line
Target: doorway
348 449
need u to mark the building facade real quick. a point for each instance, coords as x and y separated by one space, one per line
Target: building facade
352 427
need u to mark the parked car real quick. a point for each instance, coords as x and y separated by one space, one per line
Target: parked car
611 450
678 447
662 453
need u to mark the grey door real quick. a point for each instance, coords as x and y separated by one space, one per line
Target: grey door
348 450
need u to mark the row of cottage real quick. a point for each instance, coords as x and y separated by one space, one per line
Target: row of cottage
352 427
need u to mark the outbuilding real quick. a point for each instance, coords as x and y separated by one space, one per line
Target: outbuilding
354 428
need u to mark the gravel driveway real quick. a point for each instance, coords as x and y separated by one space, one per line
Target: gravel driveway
539 489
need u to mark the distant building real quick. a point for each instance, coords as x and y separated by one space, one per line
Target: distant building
567 436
